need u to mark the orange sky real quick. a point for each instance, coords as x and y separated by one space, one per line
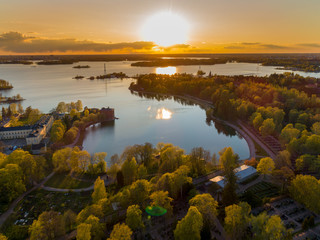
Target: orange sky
114 26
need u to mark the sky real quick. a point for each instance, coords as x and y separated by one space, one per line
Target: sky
118 26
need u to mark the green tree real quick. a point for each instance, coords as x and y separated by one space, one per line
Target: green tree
257 121
49 225
120 232
142 171
84 231
99 190
190 226
305 185
94 209
198 159
11 183
162 199
134 217
57 131
139 191
69 218
2 237
61 160
206 205
288 133
129 170
267 127
316 128
265 166
97 228
228 159
237 219
275 230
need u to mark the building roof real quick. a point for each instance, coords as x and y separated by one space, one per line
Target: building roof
244 171
218 180
6 129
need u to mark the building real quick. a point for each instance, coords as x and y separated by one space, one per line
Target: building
33 134
107 114
243 173
218 180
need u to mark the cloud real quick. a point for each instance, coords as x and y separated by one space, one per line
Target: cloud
234 47
312 45
19 43
250 43
273 46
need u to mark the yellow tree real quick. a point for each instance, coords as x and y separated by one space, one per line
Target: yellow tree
206 205
265 165
162 199
134 217
190 226
120 232
99 190
84 231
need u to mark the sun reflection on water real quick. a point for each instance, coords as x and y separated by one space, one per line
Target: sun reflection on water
164 114
166 70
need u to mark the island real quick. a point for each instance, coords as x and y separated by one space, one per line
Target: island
81 66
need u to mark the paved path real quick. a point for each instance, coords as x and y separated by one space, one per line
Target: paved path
52 189
262 144
5 215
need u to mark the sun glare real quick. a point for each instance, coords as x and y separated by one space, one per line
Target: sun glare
166 70
166 29
164 114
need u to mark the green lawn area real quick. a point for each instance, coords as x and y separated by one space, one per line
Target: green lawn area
259 150
60 180
264 189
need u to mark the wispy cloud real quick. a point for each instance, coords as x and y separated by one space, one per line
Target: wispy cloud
18 43
312 45
273 46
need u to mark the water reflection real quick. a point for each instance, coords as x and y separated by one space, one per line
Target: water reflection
166 70
164 114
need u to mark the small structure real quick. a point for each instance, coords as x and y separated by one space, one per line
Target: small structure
244 172
107 114
218 180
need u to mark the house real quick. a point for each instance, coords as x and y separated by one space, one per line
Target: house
218 180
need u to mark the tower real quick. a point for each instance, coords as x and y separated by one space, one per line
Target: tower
105 70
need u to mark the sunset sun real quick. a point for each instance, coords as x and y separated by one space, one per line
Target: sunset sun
166 29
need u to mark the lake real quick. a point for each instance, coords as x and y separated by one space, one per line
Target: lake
140 120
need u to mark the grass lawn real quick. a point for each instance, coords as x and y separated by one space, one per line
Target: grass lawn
61 180
259 150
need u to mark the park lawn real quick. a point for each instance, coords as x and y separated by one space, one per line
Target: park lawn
64 181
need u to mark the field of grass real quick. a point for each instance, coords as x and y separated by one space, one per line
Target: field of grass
60 180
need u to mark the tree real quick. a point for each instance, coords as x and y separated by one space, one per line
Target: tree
134 217
265 166
99 190
13 108
229 195
129 170
190 226
288 133
161 198
206 205
237 219
97 228
79 106
71 135
69 218
84 231
306 190
11 183
275 230
139 191
142 171
179 179
94 209
57 131
257 121
283 159
120 178
49 225
316 128
61 160
62 107
2 237
34 116
228 159
198 158
267 127
120 232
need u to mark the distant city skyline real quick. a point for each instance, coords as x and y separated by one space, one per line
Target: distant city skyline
118 26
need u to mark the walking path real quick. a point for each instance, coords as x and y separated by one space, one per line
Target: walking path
5 215
52 189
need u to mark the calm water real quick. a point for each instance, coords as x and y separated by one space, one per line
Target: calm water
140 120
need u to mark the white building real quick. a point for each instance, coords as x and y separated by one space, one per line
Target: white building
33 134
243 173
